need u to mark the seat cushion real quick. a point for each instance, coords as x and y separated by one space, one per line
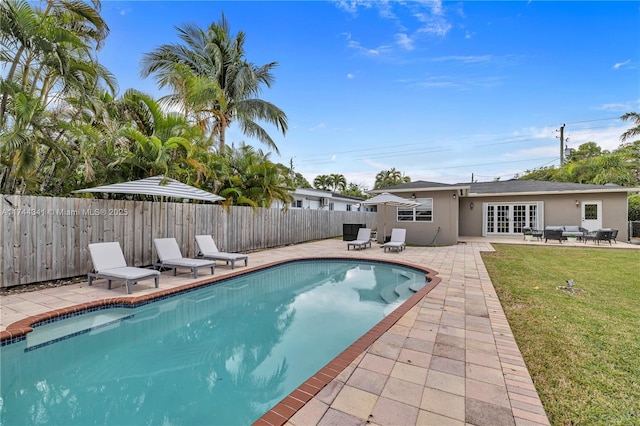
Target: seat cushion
128 273
187 262
224 256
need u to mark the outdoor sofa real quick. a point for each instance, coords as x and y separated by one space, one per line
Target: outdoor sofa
561 233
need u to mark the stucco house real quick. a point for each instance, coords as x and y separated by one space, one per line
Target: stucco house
315 199
503 208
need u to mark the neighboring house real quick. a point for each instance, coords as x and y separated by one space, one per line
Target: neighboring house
503 208
315 199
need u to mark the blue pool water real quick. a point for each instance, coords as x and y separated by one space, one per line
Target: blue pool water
219 355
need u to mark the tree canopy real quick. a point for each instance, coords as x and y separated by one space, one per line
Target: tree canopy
63 127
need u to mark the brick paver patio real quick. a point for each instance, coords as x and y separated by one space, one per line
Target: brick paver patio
451 359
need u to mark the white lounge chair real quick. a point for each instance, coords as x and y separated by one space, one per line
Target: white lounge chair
398 236
108 263
207 249
170 257
362 239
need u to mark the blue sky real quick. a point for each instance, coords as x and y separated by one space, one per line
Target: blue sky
438 90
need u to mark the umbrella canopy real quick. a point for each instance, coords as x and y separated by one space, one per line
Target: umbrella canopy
385 199
152 186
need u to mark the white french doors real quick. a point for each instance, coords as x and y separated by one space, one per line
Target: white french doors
510 218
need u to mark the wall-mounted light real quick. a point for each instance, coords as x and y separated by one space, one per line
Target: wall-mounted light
413 196
471 205
577 203
454 195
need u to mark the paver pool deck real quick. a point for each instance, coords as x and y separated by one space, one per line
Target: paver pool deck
451 359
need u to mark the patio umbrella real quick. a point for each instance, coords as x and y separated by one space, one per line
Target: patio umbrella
154 186
385 199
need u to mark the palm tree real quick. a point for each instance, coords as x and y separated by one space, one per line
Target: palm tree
322 182
214 83
248 177
44 52
391 177
159 142
634 131
338 182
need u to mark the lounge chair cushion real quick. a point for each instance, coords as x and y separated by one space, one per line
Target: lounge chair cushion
106 256
128 273
363 239
209 250
397 241
169 256
167 248
109 263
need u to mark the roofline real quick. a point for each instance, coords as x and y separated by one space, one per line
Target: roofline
426 188
569 191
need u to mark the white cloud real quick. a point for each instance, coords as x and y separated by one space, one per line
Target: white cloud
429 14
469 59
621 106
318 127
617 65
404 41
353 44
468 35
439 82
352 6
350 76
333 157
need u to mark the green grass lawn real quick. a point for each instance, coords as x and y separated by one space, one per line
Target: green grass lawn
582 349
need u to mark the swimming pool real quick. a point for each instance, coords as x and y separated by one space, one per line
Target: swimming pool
222 354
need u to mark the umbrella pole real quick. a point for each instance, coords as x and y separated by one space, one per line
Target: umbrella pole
384 224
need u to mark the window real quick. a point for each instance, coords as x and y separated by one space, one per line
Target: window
296 204
422 213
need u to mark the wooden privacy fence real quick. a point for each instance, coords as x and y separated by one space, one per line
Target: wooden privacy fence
46 238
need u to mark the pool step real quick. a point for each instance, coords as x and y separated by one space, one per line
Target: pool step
403 291
415 286
86 323
388 294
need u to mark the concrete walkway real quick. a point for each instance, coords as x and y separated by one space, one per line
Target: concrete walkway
451 359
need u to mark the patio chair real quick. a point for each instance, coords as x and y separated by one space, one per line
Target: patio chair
397 241
535 233
599 235
614 234
553 233
207 249
362 239
108 263
170 257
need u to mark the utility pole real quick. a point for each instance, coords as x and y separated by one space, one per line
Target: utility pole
562 145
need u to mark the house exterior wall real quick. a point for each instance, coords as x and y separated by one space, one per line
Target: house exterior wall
559 209
445 216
